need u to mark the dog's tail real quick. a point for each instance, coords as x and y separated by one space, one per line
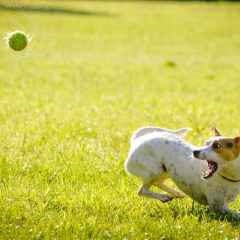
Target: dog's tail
146 130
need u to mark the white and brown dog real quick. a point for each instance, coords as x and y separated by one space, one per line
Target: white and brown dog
156 154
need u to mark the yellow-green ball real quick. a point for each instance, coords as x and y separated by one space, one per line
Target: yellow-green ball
17 40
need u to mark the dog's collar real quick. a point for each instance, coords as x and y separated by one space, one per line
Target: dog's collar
229 179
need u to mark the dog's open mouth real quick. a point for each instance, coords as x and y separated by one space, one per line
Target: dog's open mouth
212 168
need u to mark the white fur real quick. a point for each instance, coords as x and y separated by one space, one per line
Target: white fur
156 153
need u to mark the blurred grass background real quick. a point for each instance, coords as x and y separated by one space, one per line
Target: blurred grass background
93 73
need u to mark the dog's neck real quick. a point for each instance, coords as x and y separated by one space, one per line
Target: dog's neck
231 170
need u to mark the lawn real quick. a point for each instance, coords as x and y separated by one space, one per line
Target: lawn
93 73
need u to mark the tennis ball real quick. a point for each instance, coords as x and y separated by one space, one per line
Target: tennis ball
17 40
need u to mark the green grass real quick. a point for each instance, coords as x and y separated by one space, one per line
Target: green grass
71 101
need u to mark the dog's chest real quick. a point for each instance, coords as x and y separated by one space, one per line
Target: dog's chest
185 170
222 190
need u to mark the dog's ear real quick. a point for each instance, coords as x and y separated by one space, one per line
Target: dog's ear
237 141
216 132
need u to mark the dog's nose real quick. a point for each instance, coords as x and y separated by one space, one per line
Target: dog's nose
196 153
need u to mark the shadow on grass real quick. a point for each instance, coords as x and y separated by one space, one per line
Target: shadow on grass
202 213
51 10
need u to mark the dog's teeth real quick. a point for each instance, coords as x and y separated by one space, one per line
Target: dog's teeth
206 173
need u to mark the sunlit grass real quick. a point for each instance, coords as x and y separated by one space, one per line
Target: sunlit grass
70 102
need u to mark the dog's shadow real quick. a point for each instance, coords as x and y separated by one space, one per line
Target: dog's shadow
202 213
205 214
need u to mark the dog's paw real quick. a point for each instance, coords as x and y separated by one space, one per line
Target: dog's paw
166 198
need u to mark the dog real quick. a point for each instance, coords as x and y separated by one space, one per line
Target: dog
209 174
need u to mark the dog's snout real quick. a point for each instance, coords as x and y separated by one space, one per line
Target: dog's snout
196 153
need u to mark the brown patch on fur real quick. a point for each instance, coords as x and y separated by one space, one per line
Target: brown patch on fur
227 148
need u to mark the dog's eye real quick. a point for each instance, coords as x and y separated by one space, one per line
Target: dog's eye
216 145
229 145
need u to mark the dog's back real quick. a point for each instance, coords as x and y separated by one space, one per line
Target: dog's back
151 129
138 161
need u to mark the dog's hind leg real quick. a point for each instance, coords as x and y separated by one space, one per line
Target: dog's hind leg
160 184
144 191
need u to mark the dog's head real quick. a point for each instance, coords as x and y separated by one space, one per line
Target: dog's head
221 153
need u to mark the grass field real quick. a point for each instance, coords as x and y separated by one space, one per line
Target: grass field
93 73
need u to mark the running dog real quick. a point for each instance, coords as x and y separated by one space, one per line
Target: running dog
209 174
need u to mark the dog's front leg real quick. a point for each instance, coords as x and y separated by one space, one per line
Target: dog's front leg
219 208
217 204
